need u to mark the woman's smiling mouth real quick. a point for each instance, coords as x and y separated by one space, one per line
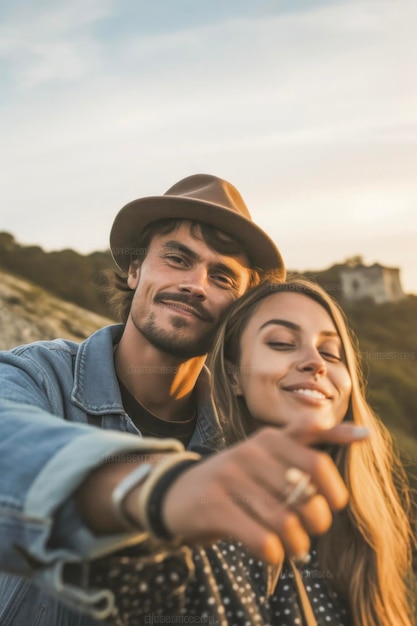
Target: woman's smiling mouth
313 393
309 390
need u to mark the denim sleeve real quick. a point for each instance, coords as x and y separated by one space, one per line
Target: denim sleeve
43 459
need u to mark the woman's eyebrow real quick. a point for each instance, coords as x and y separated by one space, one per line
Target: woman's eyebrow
279 322
293 326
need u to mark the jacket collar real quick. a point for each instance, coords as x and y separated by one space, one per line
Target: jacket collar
96 389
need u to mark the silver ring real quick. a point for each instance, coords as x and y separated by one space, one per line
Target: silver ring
299 488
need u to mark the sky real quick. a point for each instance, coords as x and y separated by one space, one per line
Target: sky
308 107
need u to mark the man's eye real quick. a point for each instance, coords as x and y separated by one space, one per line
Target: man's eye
174 258
225 280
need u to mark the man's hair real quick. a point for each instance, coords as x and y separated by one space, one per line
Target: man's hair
120 295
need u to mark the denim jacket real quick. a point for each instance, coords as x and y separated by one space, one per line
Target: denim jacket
51 394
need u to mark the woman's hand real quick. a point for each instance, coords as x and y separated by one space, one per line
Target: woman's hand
241 493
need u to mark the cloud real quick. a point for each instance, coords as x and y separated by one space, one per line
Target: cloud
312 114
52 41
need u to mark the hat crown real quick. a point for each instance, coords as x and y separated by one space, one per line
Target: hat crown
210 189
198 198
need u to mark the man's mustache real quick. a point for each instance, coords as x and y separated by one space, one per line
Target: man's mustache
190 301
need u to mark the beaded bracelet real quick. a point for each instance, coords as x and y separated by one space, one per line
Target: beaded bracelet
156 497
133 479
154 489
155 480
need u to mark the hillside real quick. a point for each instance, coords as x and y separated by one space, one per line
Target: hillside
64 273
29 313
387 333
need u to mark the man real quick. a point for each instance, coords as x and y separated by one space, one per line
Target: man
72 461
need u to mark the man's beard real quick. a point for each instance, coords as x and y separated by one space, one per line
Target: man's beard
173 343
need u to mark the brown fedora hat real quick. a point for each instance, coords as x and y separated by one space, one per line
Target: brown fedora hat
201 198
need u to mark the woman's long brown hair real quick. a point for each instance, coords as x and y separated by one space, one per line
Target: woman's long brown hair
367 551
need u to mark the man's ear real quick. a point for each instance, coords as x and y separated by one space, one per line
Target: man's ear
133 274
233 372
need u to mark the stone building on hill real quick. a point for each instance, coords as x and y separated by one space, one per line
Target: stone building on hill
381 284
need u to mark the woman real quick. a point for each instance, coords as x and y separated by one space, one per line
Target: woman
285 352
285 380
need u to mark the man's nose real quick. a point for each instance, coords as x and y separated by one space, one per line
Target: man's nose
195 283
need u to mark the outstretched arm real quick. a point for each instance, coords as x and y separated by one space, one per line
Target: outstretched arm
240 493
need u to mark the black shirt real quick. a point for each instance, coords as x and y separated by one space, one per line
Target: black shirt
152 426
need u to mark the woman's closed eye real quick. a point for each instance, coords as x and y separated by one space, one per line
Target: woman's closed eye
330 350
281 345
330 356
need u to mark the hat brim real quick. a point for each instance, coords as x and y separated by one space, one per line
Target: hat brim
135 216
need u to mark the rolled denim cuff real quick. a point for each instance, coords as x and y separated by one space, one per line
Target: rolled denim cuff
63 539
61 476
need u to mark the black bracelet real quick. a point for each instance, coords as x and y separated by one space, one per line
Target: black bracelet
157 495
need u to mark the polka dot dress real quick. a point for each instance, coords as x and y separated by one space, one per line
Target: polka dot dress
219 585
233 587
327 607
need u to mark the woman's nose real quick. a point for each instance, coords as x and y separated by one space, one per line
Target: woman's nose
312 362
